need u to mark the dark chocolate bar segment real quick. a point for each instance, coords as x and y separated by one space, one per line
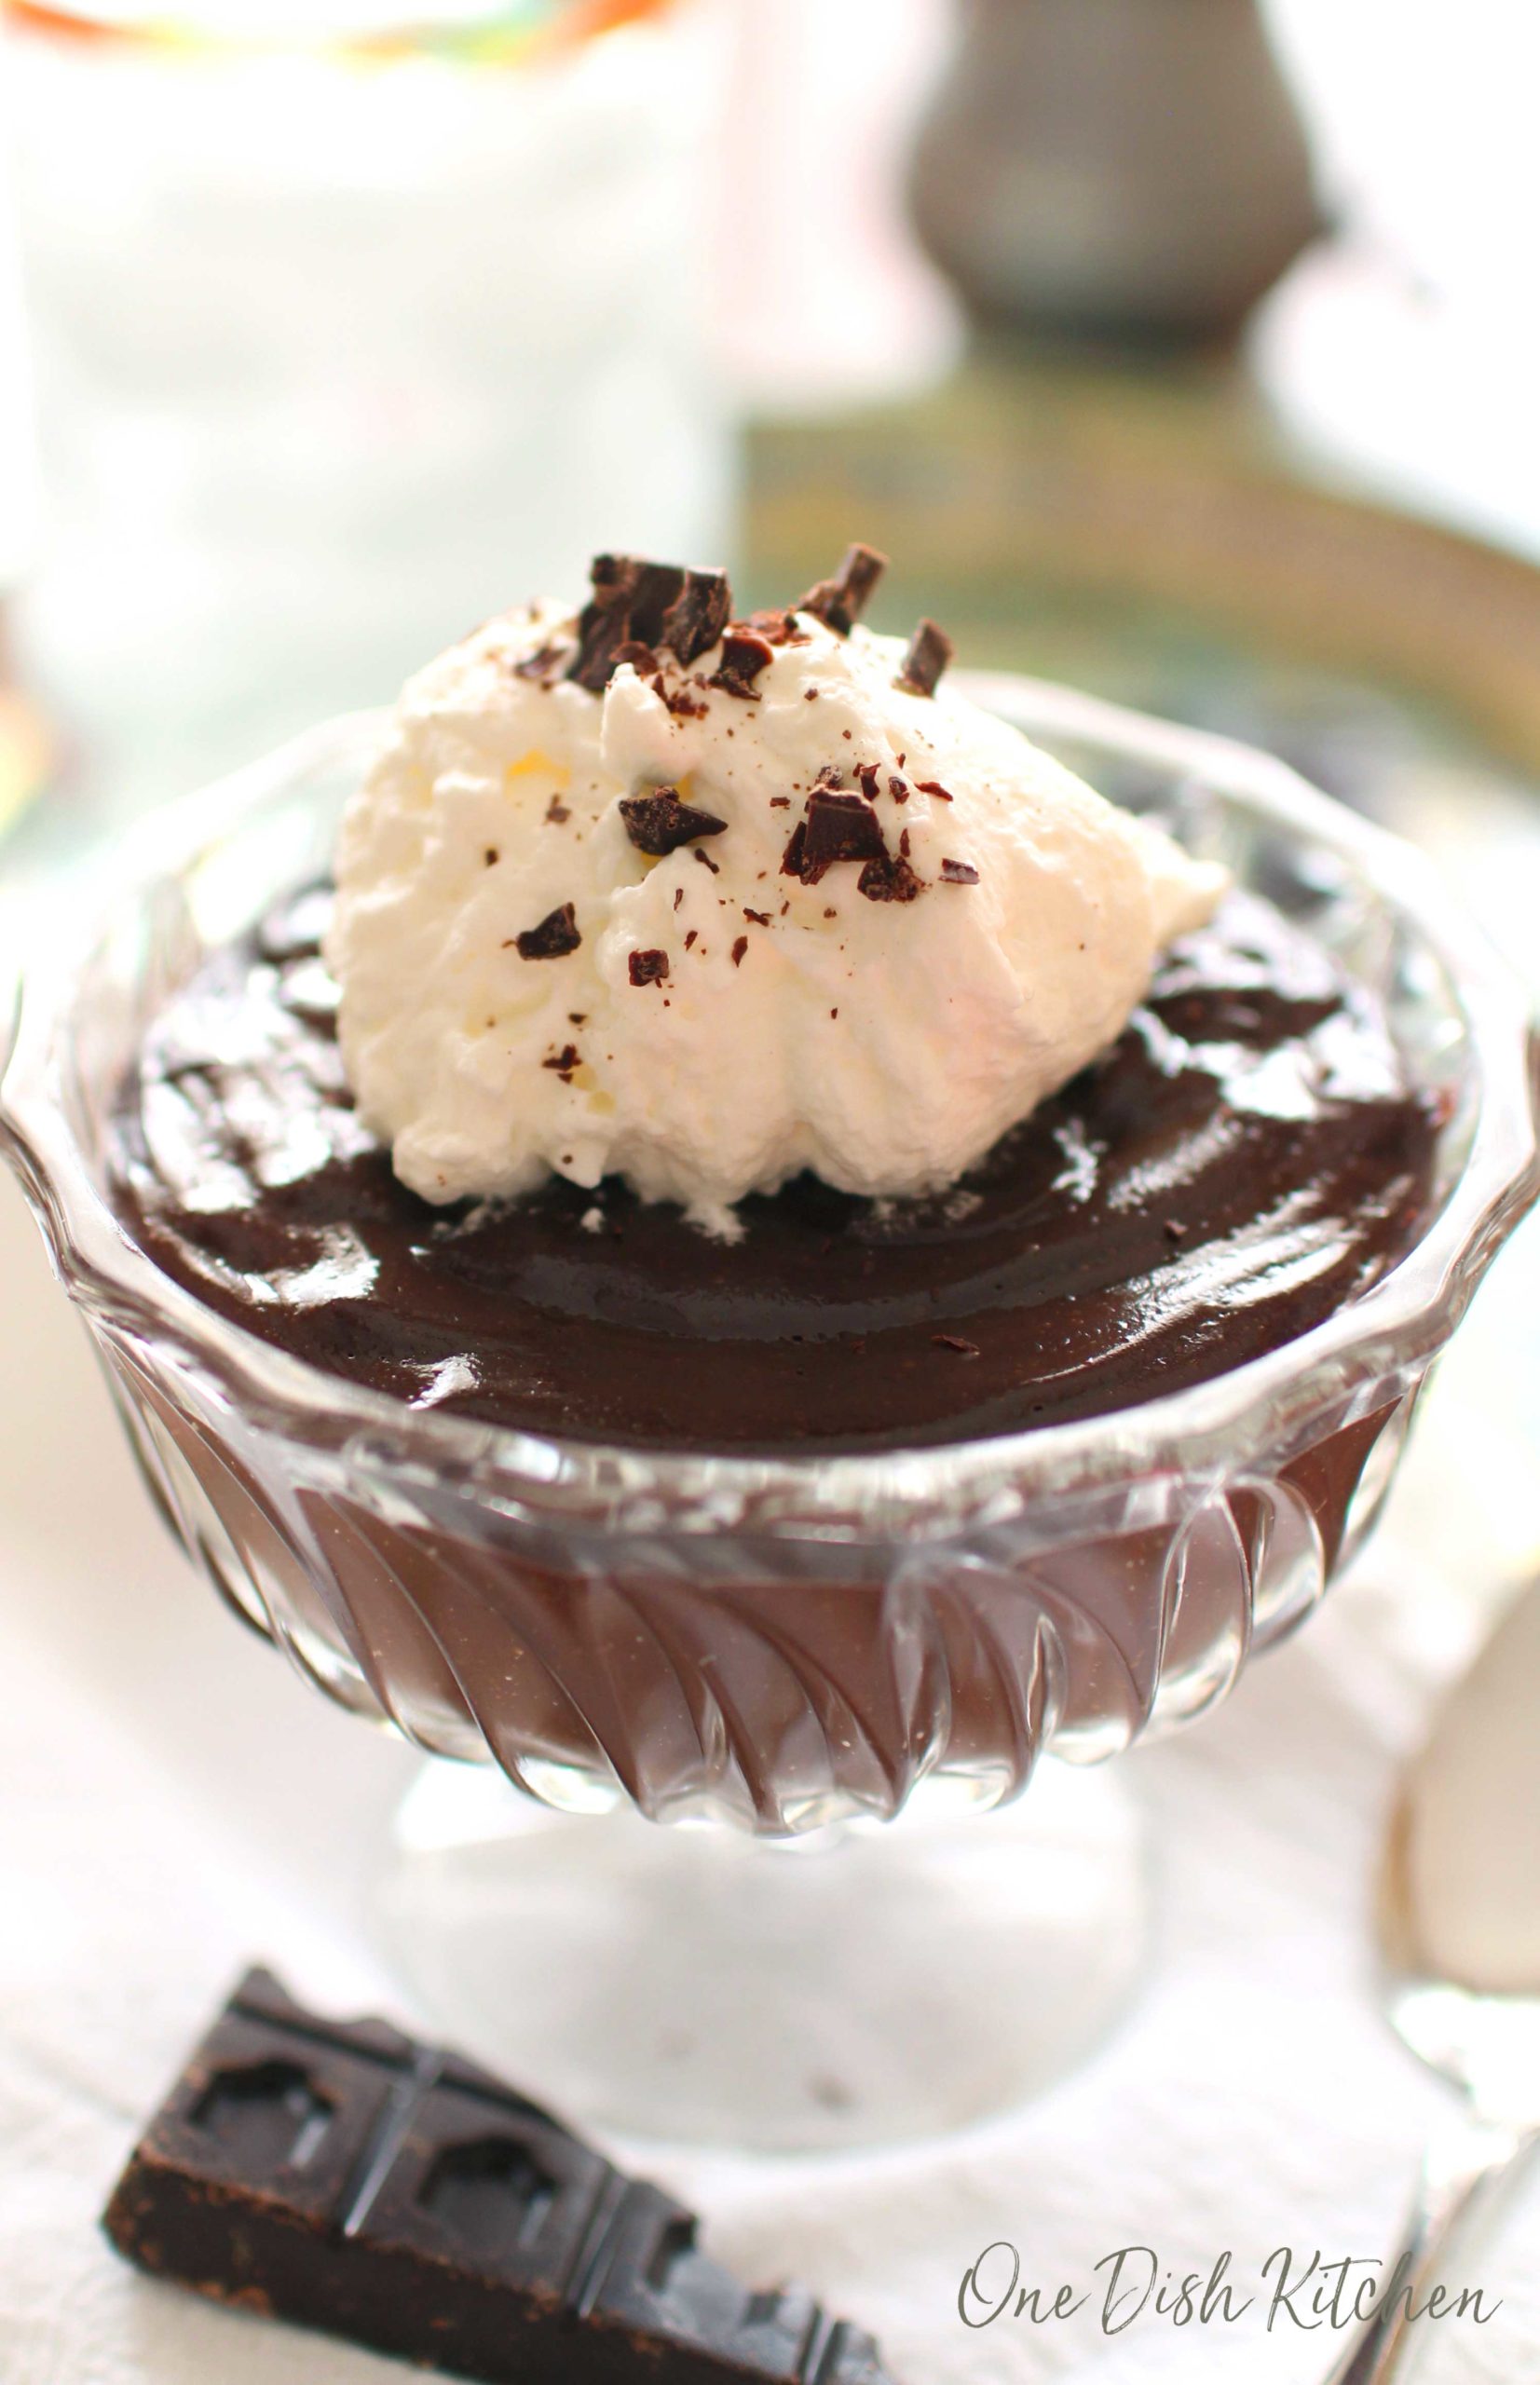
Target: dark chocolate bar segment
341 2175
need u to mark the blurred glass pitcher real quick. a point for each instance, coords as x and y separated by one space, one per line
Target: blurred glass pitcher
346 337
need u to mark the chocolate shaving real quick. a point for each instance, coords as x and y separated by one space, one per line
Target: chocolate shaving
958 873
660 823
934 786
897 789
556 811
545 663
889 881
778 629
837 827
929 652
741 946
640 604
564 1061
699 615
840 602
603 625
744 654
648 968
679 699
955 1342
707 862
760 919
690 937
554 936
868 773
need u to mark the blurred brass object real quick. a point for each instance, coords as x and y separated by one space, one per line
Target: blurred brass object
1165 509
1126 168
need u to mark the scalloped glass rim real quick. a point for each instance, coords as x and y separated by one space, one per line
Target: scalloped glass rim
1399 1323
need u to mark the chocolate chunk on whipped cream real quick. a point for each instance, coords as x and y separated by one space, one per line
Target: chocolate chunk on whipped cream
834 827
551 938
926 657
890 1030
745 652
659 823
638 606
840 602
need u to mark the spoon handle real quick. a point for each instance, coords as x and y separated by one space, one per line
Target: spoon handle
1463 2171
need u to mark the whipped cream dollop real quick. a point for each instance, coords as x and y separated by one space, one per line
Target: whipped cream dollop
702 903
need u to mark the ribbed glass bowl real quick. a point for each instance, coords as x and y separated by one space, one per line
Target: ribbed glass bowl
777 1643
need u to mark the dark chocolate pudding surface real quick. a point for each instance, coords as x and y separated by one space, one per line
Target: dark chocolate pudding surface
1246 1158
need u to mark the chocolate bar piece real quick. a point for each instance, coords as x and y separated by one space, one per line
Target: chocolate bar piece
339 2174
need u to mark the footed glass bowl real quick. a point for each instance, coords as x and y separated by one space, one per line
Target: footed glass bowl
787 1644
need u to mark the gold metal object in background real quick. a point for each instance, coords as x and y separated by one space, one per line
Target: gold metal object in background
1136 529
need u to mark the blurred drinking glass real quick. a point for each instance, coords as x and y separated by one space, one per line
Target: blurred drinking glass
347 330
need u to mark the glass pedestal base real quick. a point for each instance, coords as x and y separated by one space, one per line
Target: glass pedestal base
862 1986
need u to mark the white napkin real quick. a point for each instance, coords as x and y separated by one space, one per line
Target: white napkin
172 1803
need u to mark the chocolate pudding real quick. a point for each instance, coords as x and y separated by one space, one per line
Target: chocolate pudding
1247 1157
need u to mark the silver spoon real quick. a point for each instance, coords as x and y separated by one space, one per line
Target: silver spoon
1459 1930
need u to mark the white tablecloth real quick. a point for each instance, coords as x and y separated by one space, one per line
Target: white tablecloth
172 1803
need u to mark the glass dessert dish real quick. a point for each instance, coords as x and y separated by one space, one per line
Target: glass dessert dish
785 1644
